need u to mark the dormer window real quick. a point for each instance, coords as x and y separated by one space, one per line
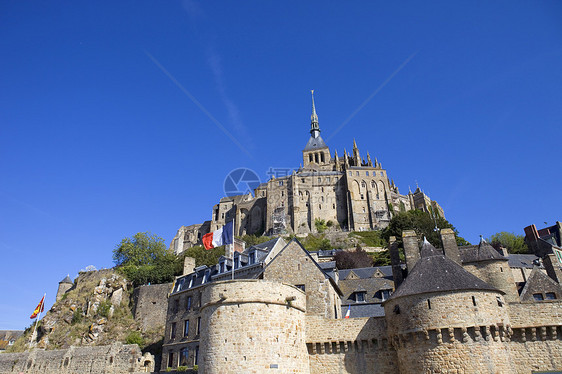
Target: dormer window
237 262
221 267
360 296
252 258
385 294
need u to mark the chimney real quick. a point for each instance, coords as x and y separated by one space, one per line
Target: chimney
397 275
411 248
188 265
450 245
552 267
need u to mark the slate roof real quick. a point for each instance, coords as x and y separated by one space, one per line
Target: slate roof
367 272
523 261
480 252
67 280
437 273
364 310
315 143
371 287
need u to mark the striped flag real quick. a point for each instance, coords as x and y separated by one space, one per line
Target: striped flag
222 236
348 311
39 309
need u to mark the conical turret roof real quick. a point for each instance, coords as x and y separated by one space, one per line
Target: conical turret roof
66 279
436 273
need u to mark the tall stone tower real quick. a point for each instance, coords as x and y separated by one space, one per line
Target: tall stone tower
442 318
316 152
64 286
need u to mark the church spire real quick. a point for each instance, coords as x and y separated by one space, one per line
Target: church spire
314 127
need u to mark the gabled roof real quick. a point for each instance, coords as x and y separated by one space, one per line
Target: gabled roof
363 273
539 282
334 284
315 143
437 273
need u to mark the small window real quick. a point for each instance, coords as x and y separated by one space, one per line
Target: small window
319 180
188 303
303 180
200 297
196 361
385 294
282 193
362 198
252 258
350 173
198 326
428 304
473 301
310 157
280 183
173 331
222 215
367 173
357 173
170 359
327 179
550 296
538 296
184 356
186 328
301 287
320 206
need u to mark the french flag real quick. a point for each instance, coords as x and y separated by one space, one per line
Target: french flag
222 236
348 312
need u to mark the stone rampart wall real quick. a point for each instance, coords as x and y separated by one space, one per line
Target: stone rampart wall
150 305
251 324
355 346
544 313
113 359
536 349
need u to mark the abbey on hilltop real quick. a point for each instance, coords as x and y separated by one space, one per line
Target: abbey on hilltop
349 192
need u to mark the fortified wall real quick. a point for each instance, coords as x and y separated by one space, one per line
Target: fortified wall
149 307
114 359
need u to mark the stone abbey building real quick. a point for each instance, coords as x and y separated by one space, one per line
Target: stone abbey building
350 191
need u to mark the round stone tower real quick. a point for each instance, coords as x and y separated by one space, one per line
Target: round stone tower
444 319
251 325
64 286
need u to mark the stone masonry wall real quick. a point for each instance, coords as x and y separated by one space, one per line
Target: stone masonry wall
114 359
253 326
150 305
355 346
497 274
292 265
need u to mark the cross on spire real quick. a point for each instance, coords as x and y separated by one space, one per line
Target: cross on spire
314 127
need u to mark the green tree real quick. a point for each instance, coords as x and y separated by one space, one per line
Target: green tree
203 256
353 259
512 242
422 223
144 259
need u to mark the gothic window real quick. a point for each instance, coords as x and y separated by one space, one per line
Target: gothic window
373 184
363 184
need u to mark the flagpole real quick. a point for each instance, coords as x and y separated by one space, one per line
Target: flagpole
233 222
37 319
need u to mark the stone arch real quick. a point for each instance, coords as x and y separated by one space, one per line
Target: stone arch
381 188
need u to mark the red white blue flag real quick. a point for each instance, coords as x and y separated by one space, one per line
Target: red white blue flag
348 312
222 236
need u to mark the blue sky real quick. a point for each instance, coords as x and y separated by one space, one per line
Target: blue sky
111 115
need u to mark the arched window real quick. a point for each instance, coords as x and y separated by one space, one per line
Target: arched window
363 184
